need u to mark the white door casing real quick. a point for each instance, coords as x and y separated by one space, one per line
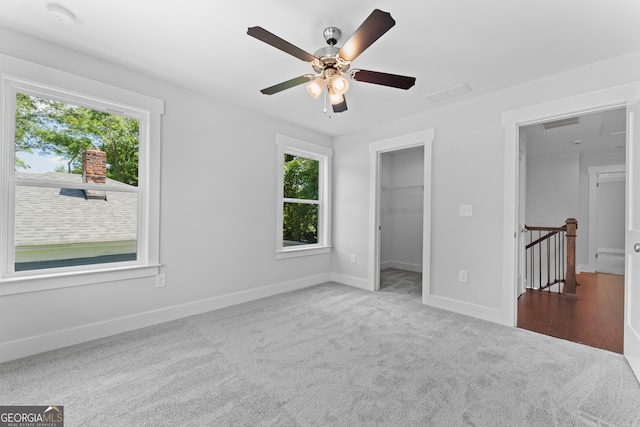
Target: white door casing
423 138
632 237
614 97
594 173
522 182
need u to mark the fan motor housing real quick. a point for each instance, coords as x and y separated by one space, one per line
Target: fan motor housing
328 59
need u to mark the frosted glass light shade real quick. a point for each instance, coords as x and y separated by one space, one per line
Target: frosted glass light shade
335 98
316 87
340 84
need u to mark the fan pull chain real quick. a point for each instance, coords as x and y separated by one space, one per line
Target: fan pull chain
325 101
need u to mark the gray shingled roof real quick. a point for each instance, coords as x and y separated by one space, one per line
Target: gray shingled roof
51 216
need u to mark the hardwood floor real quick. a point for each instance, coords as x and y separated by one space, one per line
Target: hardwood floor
595 318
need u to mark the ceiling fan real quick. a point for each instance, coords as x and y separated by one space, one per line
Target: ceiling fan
331 64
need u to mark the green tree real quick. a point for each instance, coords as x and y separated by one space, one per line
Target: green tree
54 128
301 181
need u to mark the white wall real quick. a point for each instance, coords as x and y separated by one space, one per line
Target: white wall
610 229
401 209
468 168
611 201
552 196
553 184
217 244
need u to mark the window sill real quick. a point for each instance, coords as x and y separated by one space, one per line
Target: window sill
24 284
298 252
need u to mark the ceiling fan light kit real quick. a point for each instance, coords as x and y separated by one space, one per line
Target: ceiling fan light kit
335 98
331 64
339 84
316 87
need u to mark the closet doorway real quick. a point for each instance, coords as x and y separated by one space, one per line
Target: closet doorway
401 221
400 233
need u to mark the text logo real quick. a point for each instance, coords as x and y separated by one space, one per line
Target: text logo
32 416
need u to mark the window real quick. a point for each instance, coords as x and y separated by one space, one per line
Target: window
79 184
304 184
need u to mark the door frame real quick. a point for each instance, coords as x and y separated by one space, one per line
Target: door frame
521 281
417 139
593 173
614 97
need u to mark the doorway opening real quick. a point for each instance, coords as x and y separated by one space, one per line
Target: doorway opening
400 215
574 168
626 96
401 222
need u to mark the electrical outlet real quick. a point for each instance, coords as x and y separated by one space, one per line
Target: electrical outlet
466 210
462 276
352 259
161 280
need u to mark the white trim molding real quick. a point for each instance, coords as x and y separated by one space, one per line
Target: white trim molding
600 100
425 139
25 77
593 173
63 338
324 155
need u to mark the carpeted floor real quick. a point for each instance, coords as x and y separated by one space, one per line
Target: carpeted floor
328 355
402 283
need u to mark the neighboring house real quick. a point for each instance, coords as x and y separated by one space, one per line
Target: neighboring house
62 227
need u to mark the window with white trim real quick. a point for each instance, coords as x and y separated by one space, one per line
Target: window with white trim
78 188
304 198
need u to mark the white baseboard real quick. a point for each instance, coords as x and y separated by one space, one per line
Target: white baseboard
416 268
612 251
58 339
468 309
352 281
585 268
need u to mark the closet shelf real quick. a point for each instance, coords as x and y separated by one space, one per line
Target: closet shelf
402 187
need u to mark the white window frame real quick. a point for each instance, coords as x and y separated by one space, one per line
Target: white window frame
75 90
324 155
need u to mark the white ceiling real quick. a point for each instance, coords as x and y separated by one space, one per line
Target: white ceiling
203 45
598 132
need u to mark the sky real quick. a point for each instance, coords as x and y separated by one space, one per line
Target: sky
40 164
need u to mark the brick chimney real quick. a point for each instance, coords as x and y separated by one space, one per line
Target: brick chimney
94 166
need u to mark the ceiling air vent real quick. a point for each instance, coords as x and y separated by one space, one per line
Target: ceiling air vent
560 123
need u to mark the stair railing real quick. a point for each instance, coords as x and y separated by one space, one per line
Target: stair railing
550 258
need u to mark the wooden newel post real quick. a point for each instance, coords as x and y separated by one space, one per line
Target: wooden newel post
570 278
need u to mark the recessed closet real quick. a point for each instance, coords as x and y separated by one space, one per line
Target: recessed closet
401 220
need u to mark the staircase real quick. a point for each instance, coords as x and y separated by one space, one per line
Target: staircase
550 258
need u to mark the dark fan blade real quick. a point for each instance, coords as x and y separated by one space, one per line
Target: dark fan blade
385 79
369 31
275 41
339 108
287 85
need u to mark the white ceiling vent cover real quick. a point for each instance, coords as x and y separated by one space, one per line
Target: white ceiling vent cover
561 122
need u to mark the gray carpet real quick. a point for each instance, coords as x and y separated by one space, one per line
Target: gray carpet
402 283
328 355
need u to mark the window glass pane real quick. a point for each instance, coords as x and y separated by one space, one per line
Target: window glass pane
61 227
300 177
52 138
300 224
